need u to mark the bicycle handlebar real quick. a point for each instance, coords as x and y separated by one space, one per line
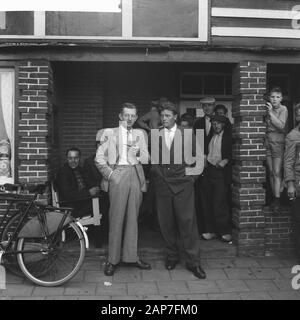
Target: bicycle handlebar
33 188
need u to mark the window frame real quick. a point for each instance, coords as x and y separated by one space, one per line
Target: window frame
202 75
13 66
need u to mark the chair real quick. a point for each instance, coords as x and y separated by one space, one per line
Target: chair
93 219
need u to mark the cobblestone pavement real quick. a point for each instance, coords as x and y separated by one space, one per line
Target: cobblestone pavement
264 278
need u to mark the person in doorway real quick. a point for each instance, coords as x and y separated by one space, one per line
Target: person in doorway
175 194
221 110
217 217
151 119
186 121
276 120
292 174
119 159
204 123
72 187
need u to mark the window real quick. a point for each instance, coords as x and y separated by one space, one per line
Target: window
196 85
2 20
7 125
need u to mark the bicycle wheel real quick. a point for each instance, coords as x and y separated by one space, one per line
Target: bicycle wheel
10 260
52 264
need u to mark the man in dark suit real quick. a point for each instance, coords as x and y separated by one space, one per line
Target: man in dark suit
174 186
202 196
72 187
217 218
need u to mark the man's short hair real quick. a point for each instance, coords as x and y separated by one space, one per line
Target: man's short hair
188 118
128 105
169 106
73 149
221 107
276 89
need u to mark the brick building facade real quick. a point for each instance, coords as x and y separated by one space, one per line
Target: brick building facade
68 88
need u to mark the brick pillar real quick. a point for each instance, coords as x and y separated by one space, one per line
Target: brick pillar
249 174
35 91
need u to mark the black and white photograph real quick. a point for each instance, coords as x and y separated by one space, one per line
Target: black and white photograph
149 152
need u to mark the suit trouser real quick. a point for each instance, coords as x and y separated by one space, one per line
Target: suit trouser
125 199
177 219
296 213
216 214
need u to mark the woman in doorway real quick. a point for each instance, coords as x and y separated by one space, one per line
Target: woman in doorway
276 120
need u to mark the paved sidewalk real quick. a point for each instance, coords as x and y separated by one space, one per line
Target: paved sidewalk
227 278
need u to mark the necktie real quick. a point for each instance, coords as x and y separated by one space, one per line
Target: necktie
79 178
131 158
168 138
129 138
207 125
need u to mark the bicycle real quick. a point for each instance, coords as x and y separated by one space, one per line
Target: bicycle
42 242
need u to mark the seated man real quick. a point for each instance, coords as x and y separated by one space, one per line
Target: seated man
217 215
72 188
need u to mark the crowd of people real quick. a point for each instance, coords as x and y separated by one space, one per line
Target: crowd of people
188 204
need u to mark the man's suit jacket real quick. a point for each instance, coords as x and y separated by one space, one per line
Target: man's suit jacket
226 152
172 178
67 185
200 124
109 151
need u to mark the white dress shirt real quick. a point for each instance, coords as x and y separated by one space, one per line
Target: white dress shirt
215 149
169 135
125 140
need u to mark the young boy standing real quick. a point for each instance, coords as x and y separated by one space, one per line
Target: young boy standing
276 119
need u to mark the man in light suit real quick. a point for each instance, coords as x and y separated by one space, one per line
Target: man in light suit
119 159
174 185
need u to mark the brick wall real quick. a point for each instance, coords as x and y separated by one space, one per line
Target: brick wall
279 231
35 84
249 85
79 100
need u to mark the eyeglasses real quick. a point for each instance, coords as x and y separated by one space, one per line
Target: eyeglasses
72 158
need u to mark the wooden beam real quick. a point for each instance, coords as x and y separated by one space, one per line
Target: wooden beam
203 20
254 13
3 20
255 32
127 18
39 23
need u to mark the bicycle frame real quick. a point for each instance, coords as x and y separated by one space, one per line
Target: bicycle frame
40 213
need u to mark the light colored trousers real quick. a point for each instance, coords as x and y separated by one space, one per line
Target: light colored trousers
125 199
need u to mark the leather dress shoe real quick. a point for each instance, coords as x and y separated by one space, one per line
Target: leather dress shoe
170 264
197 272
143 265
109 269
